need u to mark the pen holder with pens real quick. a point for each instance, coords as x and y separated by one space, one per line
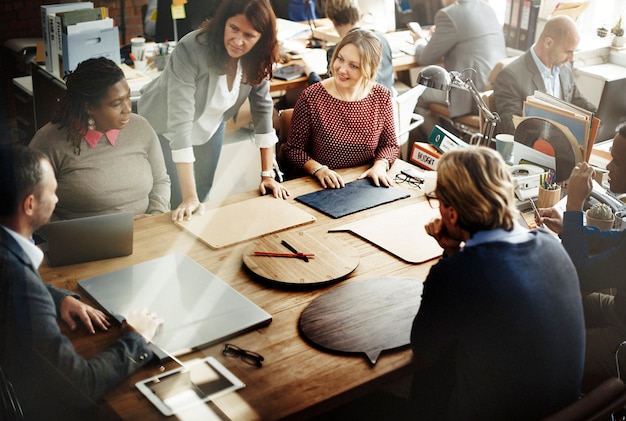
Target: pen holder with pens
548 197
549 193
161 55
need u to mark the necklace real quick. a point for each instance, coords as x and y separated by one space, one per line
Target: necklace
338 91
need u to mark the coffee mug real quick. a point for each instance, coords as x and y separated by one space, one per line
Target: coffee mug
504 146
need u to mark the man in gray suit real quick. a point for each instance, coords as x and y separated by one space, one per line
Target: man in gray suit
467 36
545 67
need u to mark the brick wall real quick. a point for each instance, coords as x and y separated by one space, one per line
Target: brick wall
21 19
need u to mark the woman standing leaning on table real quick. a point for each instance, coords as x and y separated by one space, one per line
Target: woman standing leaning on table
345 120
209 76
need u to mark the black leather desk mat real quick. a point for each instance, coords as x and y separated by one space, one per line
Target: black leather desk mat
354 197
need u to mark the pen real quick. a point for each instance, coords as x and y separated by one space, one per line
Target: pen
536 211
274 254
292 249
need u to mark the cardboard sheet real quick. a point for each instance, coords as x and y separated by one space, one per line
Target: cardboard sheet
245 220
400 232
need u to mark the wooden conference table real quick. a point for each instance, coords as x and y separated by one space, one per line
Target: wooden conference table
297 380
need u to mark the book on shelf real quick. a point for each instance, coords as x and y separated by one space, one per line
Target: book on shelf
528 23
70 19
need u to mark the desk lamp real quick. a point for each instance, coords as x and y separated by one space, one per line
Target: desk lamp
439 78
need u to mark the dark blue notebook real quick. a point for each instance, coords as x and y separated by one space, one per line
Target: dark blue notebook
354 197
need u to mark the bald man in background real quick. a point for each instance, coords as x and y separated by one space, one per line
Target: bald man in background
545 67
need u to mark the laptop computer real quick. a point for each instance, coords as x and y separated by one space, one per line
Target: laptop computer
86 239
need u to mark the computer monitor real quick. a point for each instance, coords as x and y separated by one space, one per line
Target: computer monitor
379 15
196 12
612 109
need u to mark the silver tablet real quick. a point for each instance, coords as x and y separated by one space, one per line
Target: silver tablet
197 382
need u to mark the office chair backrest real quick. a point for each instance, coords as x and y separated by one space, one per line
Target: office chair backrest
282 131
11 409
599 404
404 113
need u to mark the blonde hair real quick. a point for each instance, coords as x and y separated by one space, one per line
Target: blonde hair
476 183
370 50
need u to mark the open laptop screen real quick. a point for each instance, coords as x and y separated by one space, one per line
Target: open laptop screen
87 239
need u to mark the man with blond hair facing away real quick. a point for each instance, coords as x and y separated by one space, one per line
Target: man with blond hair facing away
500 328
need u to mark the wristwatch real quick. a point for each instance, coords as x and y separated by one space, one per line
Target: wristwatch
270 174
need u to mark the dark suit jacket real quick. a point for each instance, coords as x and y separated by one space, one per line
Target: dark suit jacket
51 380
521 78
467 36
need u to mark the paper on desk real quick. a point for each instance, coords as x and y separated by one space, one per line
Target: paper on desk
315 60
136 80
288 29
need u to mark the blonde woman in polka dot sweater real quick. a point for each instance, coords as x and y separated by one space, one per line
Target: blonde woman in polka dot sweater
345 120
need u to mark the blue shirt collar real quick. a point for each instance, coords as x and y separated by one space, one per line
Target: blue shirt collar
515 236
550 76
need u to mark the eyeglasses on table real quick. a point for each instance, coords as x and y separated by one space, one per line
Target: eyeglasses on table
403 178
248 357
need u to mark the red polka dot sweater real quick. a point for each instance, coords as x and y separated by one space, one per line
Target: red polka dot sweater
342 134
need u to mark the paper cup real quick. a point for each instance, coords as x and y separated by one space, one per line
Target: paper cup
504 146
547 198
137 46
430 181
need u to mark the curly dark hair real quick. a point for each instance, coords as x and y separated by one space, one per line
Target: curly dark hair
258 63
86 85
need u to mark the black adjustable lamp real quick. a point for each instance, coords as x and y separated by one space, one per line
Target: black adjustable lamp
439 78
313 42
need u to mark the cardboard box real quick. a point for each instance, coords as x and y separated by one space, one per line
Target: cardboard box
81 46
425 155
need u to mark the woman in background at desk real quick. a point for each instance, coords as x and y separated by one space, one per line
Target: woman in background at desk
106 159
345 120
209 76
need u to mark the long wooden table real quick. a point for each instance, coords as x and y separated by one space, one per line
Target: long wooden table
297 379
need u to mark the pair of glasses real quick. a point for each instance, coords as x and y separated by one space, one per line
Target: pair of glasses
403 178
433 202
246 356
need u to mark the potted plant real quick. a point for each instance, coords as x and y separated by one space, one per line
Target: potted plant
602 32
600 215
618 31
